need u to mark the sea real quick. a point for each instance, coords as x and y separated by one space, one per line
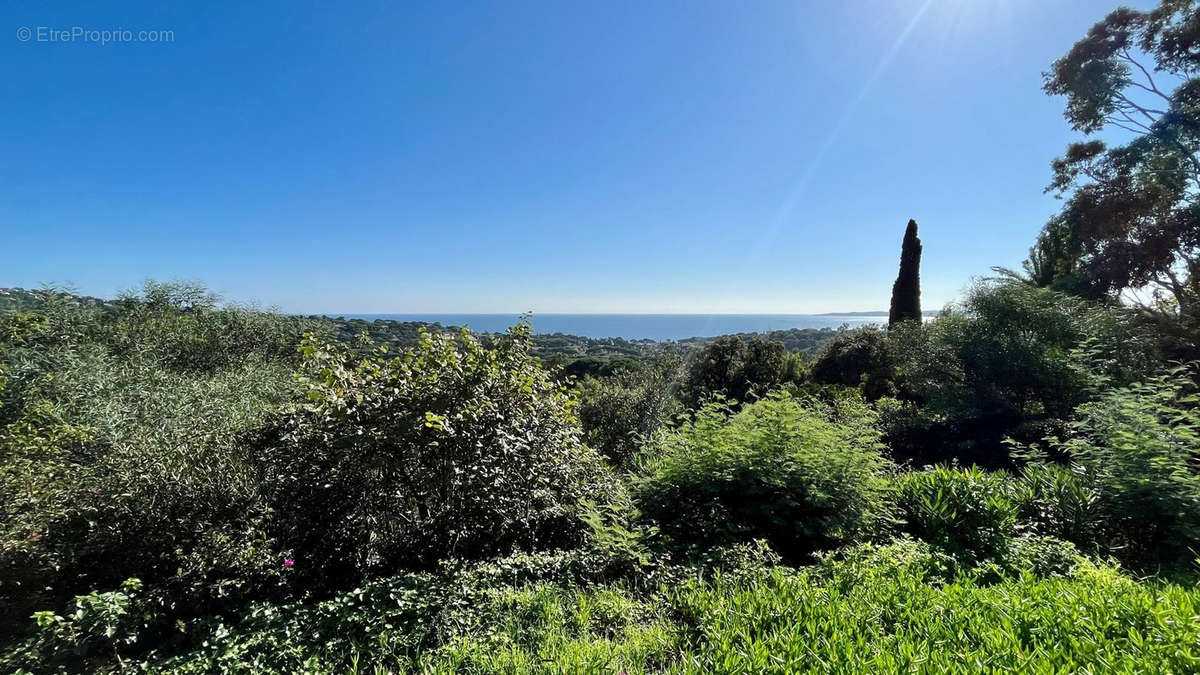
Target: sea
658 327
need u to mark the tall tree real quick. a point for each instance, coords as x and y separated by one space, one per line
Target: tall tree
1130 228
906 292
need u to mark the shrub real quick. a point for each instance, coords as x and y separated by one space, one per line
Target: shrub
803 476
880 563
1010 361
115 463
968 513
1043 556
184 326
621 412
1053 500
97 626
1138 451
449 449
111 470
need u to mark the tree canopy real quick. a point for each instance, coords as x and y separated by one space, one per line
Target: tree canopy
1130 227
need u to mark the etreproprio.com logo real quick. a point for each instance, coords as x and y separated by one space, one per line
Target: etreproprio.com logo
100 36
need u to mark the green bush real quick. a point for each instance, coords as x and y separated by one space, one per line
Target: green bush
1010 361
622 412
804 476
1137 451
116 464
1043 556
967 513
895 607
1054 500
97 625
183 326
148 479
449 449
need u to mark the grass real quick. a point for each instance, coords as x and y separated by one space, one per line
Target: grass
883 614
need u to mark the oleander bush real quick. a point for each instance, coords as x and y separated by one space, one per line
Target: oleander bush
1059 501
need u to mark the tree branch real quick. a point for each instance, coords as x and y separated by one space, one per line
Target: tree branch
1153 88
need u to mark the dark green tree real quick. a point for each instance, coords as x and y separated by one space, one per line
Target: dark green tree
1131 225
738 369
906 292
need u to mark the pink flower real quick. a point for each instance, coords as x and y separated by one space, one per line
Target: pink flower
288 563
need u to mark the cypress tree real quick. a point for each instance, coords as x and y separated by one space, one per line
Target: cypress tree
906 292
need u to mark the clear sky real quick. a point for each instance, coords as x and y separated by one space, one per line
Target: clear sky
611 156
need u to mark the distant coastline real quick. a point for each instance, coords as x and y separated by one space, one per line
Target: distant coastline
658 327
928 312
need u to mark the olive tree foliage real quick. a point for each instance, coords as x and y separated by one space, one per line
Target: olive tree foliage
118 460
1131 223
448 449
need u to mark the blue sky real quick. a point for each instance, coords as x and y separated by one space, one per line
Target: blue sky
509 156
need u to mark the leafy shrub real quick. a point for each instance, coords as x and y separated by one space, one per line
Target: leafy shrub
98 625
460 615
617 538
803 476
1137 450
450 449
968 513
1010 361
1053 500
1044 556
113 465
621 412
183 326
880 563
149 480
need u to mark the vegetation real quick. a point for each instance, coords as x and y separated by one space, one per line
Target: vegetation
802 476
906 292
449 449
192 486
1127 229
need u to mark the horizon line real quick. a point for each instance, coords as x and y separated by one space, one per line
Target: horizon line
535 314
